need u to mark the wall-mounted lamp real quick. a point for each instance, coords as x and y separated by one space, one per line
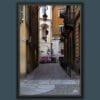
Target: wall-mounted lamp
44 13
45 17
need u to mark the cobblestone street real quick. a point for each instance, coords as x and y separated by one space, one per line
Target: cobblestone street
50 79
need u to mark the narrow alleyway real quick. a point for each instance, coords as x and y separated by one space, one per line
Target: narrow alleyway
49 79
48 71
44 39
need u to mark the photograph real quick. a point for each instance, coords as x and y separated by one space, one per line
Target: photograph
49 50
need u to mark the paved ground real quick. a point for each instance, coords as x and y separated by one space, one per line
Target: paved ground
50 79
50 71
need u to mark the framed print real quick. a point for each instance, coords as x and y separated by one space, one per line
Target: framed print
49 41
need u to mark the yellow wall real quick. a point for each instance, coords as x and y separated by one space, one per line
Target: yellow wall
56 20
23 34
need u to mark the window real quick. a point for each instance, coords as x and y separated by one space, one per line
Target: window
61 27
60 11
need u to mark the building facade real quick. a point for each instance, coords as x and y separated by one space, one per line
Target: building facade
45 30
33 37
57 28
71 37
28 38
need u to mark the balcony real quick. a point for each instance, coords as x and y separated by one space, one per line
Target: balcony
62 15
65 32
69 24
68 21
70 27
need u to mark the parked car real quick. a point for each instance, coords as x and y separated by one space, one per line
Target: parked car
45 59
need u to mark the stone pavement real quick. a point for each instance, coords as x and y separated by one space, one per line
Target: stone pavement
49 87
49 79
50 71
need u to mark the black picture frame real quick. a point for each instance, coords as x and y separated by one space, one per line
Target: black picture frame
17 43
